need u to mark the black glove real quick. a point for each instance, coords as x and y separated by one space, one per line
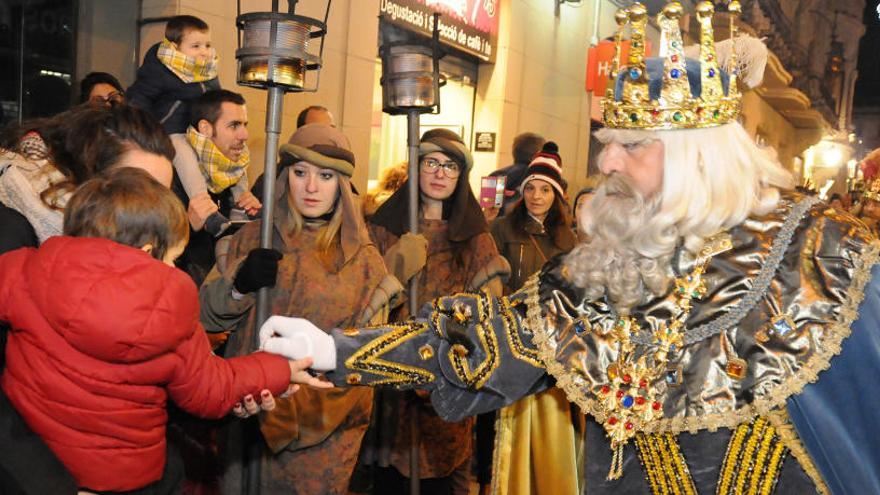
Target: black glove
258 270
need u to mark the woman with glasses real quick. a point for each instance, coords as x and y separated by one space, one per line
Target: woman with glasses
460 256
101 89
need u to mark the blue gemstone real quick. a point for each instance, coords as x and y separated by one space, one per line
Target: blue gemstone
675 73
781 327
672 348
634 73
579 328
711 72
627 401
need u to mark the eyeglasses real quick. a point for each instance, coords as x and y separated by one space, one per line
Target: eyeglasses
451 169
111 99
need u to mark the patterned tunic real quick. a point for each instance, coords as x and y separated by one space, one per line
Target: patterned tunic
444 446
314 435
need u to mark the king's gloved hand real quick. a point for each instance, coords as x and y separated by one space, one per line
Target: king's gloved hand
298 338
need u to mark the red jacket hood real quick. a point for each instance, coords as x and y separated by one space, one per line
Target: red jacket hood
154 306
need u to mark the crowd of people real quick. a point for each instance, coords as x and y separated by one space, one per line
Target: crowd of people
70 187
132 260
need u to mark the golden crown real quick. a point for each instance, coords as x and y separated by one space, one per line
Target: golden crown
629 102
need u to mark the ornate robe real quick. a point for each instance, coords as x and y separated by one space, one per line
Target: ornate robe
771 387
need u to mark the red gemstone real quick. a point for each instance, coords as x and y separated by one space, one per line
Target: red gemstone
640 400
627 378
628 425
643 383
675 58
605 389
699 110
619 394
710 58
656 406
612 421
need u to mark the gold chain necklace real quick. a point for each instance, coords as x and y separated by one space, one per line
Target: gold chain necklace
630 400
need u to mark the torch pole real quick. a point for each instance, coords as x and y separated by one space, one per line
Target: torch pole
253 447
412 121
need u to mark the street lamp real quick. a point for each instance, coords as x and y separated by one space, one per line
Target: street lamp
276 49
411 83
275 52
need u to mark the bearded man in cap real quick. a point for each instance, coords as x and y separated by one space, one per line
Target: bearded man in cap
719 330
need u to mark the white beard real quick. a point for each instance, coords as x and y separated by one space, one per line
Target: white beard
622 227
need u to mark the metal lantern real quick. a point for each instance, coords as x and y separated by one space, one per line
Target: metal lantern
277 49
411 77
411 86
275 52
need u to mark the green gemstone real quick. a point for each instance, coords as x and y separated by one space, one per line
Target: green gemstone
634 117
678 117
717 114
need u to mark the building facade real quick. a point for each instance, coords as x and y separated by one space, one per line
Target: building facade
533 80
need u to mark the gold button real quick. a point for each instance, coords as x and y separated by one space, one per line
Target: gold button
426 352
736 368
351 332
353 378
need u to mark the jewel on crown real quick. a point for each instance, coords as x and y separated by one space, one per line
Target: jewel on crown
629 102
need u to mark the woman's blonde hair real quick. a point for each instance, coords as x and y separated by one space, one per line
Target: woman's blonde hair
328 235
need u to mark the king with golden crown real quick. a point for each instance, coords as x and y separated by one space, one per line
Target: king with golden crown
719 332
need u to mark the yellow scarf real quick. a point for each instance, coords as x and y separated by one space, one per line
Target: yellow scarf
187 68
220 172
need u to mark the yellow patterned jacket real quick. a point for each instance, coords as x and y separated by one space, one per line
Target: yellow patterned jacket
737 402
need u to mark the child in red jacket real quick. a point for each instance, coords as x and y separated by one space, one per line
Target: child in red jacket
105 329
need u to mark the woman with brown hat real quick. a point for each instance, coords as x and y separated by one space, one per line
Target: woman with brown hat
460 256
324 267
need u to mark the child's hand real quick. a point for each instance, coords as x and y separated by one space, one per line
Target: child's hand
217 339
249 203
491 213
200 208
299 374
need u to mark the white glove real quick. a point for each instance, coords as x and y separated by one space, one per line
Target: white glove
297 338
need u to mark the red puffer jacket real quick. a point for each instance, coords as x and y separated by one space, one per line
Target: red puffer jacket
101 335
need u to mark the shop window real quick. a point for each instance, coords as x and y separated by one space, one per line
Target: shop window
38 53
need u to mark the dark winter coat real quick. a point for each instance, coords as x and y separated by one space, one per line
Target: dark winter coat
528 249
102 334
160 92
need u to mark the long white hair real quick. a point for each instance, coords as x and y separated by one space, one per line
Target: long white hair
713 179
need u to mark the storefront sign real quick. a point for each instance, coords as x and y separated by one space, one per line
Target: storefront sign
599 60
484 141
468 25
